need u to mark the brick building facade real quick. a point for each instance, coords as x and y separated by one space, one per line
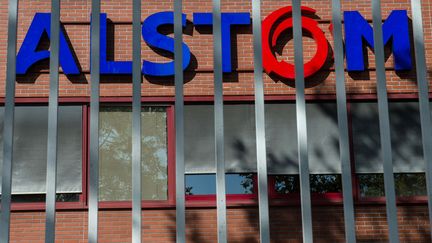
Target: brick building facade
28 221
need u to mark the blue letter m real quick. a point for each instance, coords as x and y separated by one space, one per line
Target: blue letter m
358 29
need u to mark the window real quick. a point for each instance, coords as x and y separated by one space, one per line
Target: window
115 142
323 149
240 147
407 151
30 153
239 151
30 139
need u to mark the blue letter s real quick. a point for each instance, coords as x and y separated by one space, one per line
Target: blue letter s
154 39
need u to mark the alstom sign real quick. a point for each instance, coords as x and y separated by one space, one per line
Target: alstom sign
358 35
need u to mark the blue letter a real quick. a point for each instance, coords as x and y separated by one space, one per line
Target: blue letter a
29 55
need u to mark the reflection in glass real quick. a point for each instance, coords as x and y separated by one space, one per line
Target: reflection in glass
205 184
115 152
285 184
406 184
60 197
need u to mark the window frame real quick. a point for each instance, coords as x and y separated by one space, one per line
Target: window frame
358 199
337 198
81 203
170 201
209 200
274 198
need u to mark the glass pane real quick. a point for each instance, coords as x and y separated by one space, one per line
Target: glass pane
30 149
240 155
115 153
325 183
407 184
412 184
371 185
285 184
239 183
205 184
60 197
407 152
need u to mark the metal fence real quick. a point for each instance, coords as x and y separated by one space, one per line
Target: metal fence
306 214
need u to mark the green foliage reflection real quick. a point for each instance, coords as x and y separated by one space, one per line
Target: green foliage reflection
115 143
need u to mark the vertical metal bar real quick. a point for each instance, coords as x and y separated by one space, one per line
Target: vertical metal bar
179 124
51 175
384 123
9 122
136 123
219 123
260 125
301 125
423 89
94 124
348 203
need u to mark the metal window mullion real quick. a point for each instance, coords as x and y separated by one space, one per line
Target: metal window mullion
94 124
179 124
51 175
423 89
260 125
219 124
384 123
306 210
350 235
136 123
9 122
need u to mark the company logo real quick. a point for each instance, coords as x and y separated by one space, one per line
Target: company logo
282 68
358 34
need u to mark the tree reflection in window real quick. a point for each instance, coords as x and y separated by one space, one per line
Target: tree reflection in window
115 143
406 184
285 184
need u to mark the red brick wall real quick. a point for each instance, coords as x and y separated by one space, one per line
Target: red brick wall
285 226
159 225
